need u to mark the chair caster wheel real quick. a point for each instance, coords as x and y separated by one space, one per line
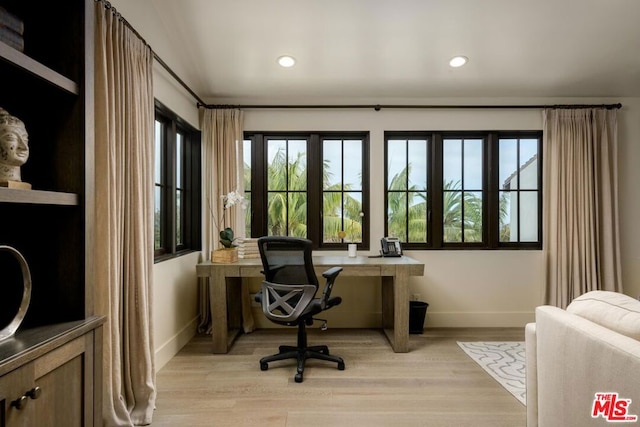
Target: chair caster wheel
341 366
264 366
298 378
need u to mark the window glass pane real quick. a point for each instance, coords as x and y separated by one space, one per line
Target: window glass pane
332 164
157 218
472 216
529 216
297 165
452 216
353 165
277 165
158 152
332 216
452 162
396 214
247 215
508 154
417 217
179 159
297 214
417 150
246 157
396 164
472 164
277 214
352 219
287 173
179 217
528 150
508 216
529 164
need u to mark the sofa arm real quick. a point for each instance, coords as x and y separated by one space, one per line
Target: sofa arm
531 373
577 359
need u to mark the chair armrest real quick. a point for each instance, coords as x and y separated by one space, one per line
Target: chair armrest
330 275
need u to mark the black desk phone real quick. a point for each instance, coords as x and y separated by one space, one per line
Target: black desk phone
390 247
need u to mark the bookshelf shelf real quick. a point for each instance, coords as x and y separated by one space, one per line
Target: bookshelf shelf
10 195
32 66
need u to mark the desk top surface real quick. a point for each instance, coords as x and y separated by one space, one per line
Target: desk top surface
326 260
416 267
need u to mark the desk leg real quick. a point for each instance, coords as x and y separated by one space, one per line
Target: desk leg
224 296
395 310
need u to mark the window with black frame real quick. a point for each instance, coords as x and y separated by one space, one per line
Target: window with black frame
177 178
468 190
312 185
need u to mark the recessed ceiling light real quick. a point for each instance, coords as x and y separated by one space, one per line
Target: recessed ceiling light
458 61
286 61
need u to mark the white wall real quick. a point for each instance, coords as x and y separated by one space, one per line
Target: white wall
629 193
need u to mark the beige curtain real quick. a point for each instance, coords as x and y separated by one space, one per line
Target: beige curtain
124 218
581 238
222 172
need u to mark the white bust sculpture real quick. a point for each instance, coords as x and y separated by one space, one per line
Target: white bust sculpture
14 147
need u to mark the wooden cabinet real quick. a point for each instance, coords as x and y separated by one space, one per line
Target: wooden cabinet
56 381
48 84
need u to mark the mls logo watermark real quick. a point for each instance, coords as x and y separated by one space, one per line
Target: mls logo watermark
612 408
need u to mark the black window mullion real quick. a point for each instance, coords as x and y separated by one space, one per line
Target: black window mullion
518 190
436 192
492 188
258 185
407 190
315 186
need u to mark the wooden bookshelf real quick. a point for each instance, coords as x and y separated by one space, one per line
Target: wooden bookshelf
57 348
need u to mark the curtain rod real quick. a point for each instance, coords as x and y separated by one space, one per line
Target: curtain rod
378 107
107 5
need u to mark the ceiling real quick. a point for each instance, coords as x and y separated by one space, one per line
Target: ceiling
384 49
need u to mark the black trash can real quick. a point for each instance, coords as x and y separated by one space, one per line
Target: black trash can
417 313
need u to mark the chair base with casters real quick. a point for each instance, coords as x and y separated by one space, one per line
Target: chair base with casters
301 353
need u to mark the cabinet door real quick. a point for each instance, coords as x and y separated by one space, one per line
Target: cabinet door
13 387
63 400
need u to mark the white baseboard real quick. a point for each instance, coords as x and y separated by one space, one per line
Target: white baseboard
478 319
355 319
172 346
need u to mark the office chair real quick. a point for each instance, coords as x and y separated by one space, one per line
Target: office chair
288 297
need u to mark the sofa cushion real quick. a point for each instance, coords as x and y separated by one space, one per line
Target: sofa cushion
613 310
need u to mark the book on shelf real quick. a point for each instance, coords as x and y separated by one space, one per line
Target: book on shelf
11 38
11 21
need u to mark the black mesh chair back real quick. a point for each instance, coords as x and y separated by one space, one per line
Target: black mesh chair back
287 261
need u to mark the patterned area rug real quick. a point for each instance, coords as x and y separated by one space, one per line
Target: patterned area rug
504 361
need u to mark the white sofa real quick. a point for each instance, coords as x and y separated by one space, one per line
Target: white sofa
592 347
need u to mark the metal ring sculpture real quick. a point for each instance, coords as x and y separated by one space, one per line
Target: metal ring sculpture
11 328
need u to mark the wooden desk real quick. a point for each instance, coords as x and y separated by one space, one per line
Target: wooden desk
225 293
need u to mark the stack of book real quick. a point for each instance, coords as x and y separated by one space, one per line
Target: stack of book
248 248
11 30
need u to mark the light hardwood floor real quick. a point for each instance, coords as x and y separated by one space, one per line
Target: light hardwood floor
435 384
